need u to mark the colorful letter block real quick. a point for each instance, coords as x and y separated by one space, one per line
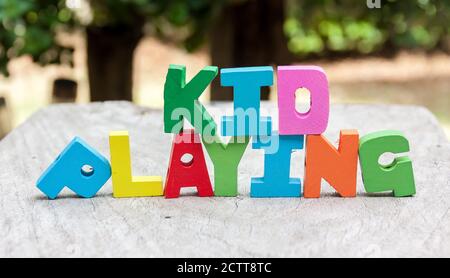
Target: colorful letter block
181 100
398 176
337 167
83 170
276 181
226 158
187 174
124 184
291 78
246 83
69 170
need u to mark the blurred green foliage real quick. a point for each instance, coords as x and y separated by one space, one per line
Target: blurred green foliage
180 21
30 27
313 27
329 27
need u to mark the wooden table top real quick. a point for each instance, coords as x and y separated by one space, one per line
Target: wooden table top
368 225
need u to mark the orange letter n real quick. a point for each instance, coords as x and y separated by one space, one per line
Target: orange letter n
337 167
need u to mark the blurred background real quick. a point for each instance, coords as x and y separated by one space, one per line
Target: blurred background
373 51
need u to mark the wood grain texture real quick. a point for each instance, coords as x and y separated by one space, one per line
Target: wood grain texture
365 226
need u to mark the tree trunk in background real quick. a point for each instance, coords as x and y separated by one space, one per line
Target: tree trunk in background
110 53
5 117
64 90
248 34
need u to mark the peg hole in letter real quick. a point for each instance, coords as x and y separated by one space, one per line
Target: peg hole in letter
187 159
87 170
386 159
302 100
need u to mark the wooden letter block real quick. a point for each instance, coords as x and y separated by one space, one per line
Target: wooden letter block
398 176
124 184
181 100
277 181
291 78
187 174
79 167
246 83
337 166
226 158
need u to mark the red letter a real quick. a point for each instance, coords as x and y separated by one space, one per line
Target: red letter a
187 174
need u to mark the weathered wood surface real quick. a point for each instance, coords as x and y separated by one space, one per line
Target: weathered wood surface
32 225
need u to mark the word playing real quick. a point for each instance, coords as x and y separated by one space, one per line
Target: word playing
84 170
